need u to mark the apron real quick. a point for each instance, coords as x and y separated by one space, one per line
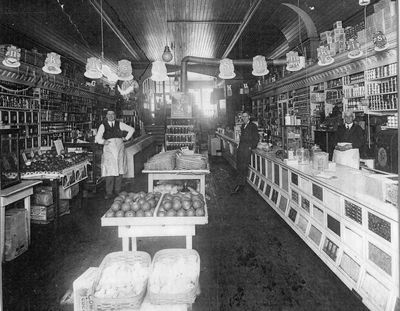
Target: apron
113 162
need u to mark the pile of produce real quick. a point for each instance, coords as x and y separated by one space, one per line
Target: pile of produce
174 273
122 280
182 204
141 204
50 161
133 204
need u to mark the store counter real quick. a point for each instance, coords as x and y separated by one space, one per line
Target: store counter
137 153
228 147
348 217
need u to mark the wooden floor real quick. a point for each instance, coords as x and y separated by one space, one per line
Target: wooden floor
250 259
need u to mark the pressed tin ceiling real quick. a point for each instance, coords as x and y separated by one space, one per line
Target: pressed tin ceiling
202 28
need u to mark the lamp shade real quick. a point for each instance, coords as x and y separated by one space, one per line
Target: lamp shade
226 69
52 63
294 61
259 66
13 56
93 68
159 71
124 70
167 55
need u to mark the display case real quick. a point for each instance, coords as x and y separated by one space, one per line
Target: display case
9 158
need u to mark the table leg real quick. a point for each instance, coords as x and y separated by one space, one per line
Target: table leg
150 182
2 230
125 244
27 205
203 186
56 197
188 242
133 244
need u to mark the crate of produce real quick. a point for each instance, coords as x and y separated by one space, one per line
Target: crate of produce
16 233
121 281
138 209
174 277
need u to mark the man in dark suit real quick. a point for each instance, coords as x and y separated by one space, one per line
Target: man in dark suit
349 132
248 141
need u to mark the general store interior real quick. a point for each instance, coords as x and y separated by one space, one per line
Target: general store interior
299 236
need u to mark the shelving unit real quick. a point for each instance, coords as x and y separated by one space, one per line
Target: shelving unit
179 133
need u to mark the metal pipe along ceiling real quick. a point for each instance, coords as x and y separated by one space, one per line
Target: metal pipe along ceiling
216 61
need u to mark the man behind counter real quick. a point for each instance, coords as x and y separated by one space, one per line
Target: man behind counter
349 132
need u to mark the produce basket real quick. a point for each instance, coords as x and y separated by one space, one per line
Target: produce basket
161 162
174 277
190 162
110 290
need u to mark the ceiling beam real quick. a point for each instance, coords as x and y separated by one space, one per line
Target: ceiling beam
203 22
115 29
247 17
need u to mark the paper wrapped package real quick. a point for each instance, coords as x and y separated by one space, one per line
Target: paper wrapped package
349 158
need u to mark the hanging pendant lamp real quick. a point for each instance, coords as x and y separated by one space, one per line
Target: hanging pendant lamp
158 71
167 55
52 64
259 66
226 69
13 56
124 70
93 68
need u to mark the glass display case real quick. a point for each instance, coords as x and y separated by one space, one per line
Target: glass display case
9 158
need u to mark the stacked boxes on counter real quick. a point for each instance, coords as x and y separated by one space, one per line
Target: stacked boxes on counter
334 39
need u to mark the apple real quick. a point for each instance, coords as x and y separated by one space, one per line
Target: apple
151 202
130 214
125 207
142 194
167 204
198 204
167 196
118 198
141 201
161 213
120 214
146 206
115 206
109 213
190 212
186 204
200 212
171 213
123 193
176 204
140 213
135 206
181 213
128 200
148 214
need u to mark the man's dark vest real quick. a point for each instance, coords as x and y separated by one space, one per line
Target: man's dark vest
112 132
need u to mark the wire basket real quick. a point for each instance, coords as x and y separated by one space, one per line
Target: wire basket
185 297
132 300
190 162
161 162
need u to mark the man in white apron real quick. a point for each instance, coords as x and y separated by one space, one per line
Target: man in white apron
111 134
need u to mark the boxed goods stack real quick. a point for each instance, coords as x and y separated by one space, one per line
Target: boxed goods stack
16 233
42 209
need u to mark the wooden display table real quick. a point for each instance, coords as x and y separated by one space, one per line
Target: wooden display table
134 227
178 175
8 196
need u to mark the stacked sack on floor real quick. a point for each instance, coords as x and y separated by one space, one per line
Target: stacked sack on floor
131 281
177 159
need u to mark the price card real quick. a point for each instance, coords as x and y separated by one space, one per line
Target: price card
59 146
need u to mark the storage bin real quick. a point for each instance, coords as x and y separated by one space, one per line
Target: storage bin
41 214
81 287
16 233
